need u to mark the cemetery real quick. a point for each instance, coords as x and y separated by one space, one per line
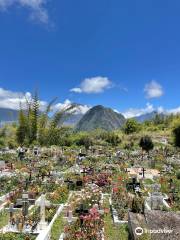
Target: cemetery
90 186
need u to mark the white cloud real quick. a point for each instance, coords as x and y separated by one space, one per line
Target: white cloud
174 110
93 85
135 112
38 12
76 90
153 90
80 109
13 100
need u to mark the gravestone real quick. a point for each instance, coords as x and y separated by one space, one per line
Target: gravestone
69 215
156 201
133 185
42 203
69 182
2 165
156 187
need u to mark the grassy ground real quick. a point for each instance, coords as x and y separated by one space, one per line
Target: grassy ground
112 231
57 228
4 218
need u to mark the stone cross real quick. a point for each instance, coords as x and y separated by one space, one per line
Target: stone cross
42 203
143 171
25 204
11 211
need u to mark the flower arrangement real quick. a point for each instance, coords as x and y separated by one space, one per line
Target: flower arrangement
59 196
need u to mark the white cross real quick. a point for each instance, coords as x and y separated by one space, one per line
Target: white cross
42 203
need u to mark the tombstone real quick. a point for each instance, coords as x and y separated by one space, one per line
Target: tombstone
76 169
21 153
143 172
36 151
132 185
11 211
170 183
156 187
168 168
82 211
156 201
42 203
69 215
79 183
174 194
137 189
25 204
69 183
2 165
84 172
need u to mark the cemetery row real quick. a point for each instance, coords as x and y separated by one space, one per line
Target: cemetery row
71 194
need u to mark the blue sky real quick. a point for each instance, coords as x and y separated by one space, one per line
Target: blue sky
122 54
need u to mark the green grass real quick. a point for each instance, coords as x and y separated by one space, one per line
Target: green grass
148 181
57 228
14 236
4 218
112 231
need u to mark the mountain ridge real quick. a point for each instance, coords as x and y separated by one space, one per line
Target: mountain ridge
100 117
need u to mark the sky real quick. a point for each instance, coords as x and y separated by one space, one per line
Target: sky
123 54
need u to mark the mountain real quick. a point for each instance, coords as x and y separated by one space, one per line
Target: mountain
100 117
149 116
8 115
73 119
78 112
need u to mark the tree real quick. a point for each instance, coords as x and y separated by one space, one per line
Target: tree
35 126
146 144
22 128
34 118
131 126
176 133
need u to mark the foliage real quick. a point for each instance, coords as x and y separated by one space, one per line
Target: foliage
35 126
176 132
14 236
146 143
60 195
178 175
85 140
131 126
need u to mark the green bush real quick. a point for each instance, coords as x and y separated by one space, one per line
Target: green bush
178 175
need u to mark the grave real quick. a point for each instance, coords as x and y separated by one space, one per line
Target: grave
2 165
42 203
134 185
69 215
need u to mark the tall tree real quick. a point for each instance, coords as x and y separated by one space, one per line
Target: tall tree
34 118
22 128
